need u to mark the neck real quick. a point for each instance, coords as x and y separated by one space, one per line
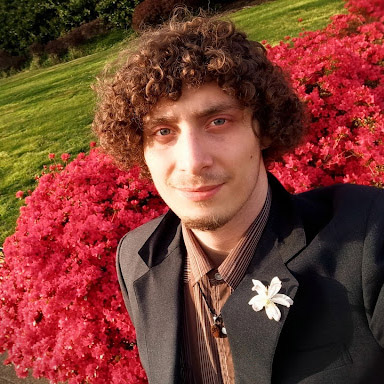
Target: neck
218 244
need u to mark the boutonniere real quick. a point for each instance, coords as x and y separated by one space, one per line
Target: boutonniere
268 297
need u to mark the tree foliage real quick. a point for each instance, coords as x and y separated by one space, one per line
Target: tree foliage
24 22
117 13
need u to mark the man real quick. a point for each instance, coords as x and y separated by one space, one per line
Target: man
240 282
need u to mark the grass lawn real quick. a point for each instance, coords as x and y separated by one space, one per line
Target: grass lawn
274 20
42 111
50 110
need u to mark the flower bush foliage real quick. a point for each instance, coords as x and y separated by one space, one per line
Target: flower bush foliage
339 73
61 312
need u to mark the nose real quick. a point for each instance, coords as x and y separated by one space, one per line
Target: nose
193 152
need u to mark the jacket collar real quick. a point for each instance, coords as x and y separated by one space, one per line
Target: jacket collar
159 295
255 337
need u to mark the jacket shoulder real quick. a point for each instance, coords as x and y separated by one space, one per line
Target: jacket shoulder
350 197
149 244
348 207
133 240
129 264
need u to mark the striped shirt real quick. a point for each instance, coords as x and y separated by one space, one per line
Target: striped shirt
206 359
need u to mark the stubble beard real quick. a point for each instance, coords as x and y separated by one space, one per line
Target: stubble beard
210 223
213 222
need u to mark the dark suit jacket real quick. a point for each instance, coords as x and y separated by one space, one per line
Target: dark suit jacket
326 246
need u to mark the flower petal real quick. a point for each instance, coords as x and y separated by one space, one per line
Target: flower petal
259 287
258 302
274 287
272 311
281 299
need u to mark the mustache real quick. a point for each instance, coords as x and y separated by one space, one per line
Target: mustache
188 181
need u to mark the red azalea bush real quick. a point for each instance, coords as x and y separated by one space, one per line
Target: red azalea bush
61 312
339 73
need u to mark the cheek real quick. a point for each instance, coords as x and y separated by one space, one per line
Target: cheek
157 168
251 158
151 158
149 161
251 149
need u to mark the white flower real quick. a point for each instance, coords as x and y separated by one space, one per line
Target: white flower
268 297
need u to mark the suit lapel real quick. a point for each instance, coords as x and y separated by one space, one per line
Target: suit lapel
159 297
255 337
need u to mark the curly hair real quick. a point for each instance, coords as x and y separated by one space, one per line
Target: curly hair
192 53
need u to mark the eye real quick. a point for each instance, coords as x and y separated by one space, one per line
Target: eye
218 122
163 132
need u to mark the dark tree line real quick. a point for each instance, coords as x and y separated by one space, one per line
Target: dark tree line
49 28
25 22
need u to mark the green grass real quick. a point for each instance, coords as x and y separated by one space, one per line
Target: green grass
43 111
50 109
274 20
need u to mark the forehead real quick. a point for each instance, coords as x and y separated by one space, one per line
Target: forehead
204 100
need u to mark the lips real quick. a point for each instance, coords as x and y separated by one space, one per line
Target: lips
200 193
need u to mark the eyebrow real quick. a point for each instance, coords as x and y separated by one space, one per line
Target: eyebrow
208 111
218 108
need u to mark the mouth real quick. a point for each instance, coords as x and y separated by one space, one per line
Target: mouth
200 193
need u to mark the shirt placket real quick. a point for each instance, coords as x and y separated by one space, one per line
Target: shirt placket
213 374
220 291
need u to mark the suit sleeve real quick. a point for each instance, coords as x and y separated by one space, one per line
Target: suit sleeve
123 287
373 268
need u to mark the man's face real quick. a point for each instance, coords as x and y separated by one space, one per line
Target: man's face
205 158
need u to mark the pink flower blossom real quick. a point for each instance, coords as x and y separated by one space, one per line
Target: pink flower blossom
65 157
51 156
338 73
19 194
60 271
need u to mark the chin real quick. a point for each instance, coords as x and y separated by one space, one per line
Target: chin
208 223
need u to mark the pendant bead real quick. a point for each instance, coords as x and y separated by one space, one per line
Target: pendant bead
218 330
215 330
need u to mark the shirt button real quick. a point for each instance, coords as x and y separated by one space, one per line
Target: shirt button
218 277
